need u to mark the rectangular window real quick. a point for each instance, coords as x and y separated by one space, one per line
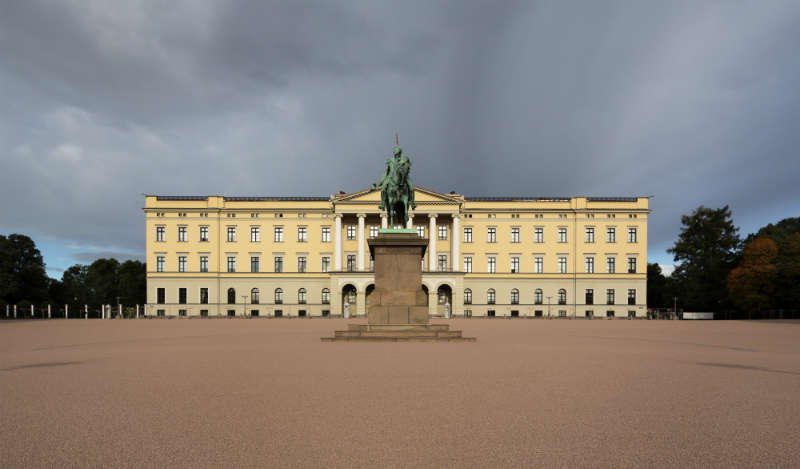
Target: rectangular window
231 264
373 231
278 234
203 263
421 231
255 234
161 295
182 264
514 235
278 264
538 265
255 264
611 235
182 296
203 233
590 265
351 232
538 235
589 297
515 265
562 235
326 264
302 235
562 265
467 265
609 297
491 235
302 264
326 234
160 264
632 235
491 265
160 233
589 235
351 262
443 232
631 297
231 234
468 234
442 262
631 265
611 265
182 233
204 296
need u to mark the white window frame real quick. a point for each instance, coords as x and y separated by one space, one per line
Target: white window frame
467 234
538 234
562 265
515 234
589 267
204 231
204 264
231 264
258 263
517 269
183 234
611 264
563 234
277 234
538 264
589 234
302 234
326 234
230 234
633 233
468 264
161 234
491 264
611 234
491 234
255 234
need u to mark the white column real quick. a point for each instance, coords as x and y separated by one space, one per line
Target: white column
455 262
361 243
410 223
432 257
384 221
337 242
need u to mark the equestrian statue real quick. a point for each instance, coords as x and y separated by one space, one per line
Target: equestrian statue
397 192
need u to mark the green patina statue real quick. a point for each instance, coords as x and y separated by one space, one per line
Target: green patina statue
397 192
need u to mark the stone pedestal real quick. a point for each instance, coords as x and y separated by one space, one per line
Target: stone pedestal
398 308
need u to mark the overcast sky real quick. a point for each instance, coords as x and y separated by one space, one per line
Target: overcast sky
695 102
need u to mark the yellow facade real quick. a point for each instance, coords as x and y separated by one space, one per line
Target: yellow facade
486 256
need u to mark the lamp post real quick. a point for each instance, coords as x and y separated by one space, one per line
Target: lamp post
548 306
244 313
675 309
119 306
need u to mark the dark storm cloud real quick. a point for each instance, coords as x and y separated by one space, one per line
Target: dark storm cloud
695 102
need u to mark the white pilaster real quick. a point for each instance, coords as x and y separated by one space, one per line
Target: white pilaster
432 234
361 243
455 239
337 242
384 221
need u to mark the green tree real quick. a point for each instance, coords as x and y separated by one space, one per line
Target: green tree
76 285
22 270
751 285
133 282
657 287
102 278
706 251
788 264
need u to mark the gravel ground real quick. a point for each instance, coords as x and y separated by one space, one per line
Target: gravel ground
258 393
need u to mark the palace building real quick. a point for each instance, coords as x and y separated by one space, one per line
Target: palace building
309 256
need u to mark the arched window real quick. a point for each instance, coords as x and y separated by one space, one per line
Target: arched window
278 296
326 296
537 296
562 297
301 296
490 296
254 296
515 297
442 294
352 295
467 296
231 296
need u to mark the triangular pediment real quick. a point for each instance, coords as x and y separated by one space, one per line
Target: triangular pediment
421 196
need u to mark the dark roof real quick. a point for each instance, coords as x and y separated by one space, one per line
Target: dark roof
306 199
181 197
611 199
518 199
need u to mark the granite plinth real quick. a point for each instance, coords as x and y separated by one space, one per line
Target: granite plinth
398 333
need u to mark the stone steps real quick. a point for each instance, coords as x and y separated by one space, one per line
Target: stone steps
398 333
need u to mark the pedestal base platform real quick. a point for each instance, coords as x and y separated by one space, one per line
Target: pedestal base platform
398 333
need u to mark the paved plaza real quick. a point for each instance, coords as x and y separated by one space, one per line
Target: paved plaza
529 393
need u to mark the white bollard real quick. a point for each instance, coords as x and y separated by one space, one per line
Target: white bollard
32 313
15 311
137 311
120 312
48 312
66 311
86 310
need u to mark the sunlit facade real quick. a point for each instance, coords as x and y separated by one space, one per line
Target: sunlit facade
309 256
